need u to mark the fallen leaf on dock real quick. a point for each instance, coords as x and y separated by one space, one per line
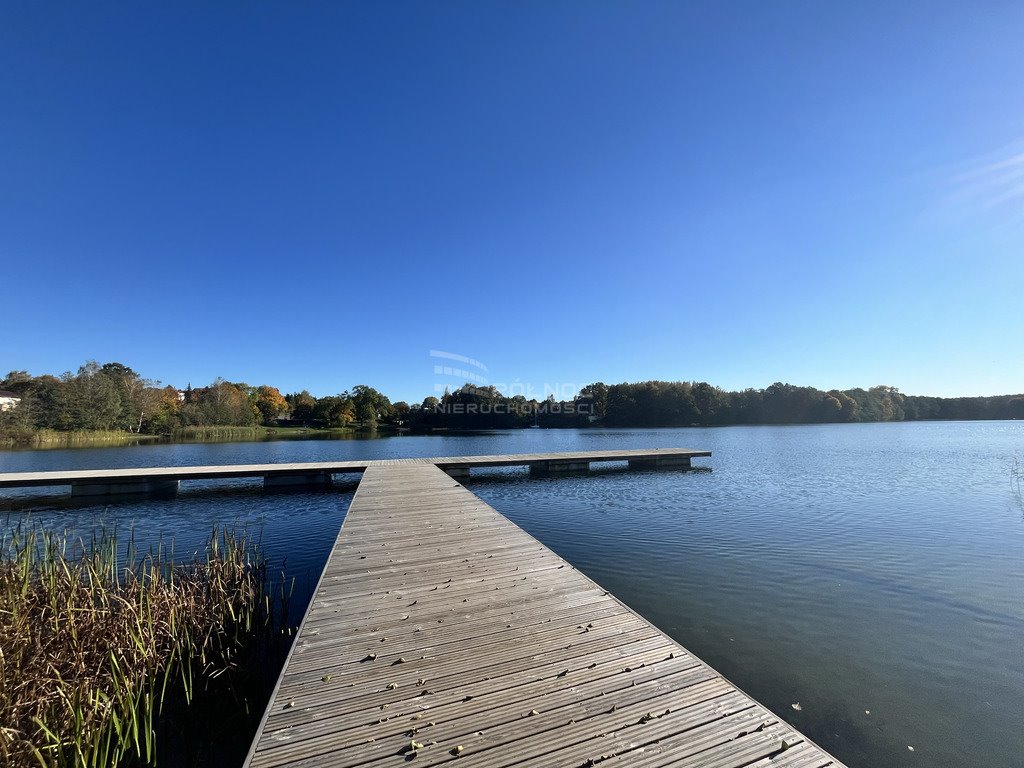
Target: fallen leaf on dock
796 706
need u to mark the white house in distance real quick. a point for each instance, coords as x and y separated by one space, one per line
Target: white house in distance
8 400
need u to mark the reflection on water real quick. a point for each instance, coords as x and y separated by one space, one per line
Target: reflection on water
294 531
872 573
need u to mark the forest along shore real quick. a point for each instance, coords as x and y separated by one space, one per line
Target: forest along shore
111 404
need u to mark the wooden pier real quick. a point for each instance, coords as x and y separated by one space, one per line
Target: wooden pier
441 632
144 480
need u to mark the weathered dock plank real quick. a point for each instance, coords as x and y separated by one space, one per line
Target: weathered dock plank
442 631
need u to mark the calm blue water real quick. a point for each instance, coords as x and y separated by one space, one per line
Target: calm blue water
872 573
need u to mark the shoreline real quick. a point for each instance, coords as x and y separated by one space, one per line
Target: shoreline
53 440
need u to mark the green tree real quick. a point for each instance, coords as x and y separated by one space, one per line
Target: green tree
711 401
335 410
14 380
136 394
597 394
94 399
839 406
370 405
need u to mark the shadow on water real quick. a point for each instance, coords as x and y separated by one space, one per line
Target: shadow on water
235 489
29 500
498 475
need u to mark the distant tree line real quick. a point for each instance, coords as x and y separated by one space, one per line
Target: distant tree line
683 403
662 403
112 396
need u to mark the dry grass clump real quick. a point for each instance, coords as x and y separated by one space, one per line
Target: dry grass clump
91 652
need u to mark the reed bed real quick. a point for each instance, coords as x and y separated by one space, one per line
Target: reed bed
197 432
99 655
51 438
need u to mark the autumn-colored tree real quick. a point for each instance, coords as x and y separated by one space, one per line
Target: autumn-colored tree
270 403
161 413
221 403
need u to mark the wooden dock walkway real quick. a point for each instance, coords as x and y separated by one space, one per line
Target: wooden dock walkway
161 479
440 631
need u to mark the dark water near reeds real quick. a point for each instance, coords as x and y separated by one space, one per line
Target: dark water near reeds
872 573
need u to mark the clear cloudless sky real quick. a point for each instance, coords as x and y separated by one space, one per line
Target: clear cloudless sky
316 195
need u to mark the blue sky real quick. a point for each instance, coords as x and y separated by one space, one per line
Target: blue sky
318 195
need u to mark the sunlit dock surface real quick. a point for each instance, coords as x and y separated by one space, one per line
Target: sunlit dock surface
441 631
141 480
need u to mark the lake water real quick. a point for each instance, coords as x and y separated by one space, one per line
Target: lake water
872 573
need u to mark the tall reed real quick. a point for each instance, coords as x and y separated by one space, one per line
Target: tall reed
94 651
198 432
50 438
